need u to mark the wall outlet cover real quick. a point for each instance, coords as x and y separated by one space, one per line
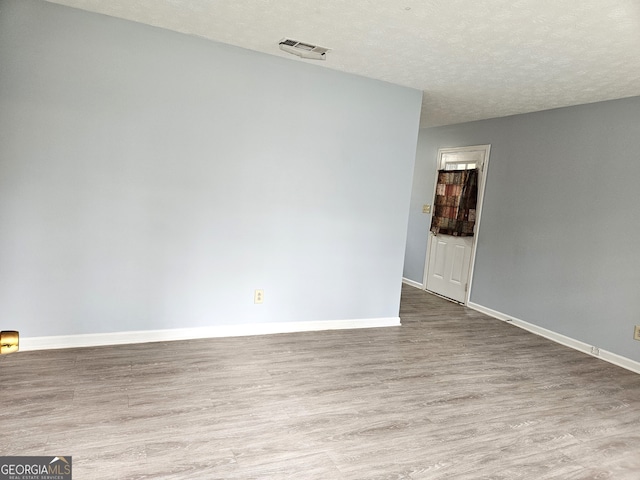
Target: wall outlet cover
258 296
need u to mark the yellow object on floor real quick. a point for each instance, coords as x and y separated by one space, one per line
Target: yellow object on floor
9 341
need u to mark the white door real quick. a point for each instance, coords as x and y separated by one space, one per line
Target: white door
449 264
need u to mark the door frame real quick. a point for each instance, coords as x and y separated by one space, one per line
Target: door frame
486 149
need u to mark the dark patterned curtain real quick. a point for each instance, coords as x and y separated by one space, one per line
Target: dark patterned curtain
456 199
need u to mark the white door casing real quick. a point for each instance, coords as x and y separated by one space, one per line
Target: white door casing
449 262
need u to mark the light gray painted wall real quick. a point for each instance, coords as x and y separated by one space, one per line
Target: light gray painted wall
558 242
153 180
424 177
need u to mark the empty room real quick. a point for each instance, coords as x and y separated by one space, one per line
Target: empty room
336 240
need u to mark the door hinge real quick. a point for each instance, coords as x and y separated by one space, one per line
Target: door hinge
466 287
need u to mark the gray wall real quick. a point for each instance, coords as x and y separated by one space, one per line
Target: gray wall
558 242
424 177
153 180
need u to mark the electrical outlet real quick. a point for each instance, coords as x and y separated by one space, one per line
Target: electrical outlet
636 333
258 296
595 351
426 209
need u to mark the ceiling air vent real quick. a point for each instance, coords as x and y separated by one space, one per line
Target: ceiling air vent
304 50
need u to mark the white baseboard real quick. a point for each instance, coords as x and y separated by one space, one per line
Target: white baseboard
605 355
412 283
145 336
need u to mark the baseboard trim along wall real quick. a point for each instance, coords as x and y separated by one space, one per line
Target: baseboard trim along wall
592 350
145 336
412 283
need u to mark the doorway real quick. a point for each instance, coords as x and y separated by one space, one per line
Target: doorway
451 254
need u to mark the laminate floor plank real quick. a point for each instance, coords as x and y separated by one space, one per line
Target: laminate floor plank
451 394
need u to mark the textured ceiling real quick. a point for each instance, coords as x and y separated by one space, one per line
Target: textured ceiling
473 59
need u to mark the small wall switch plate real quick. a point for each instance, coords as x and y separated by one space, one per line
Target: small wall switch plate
258 296
426 209
636 332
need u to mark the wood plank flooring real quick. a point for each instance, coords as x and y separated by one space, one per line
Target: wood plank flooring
452 394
